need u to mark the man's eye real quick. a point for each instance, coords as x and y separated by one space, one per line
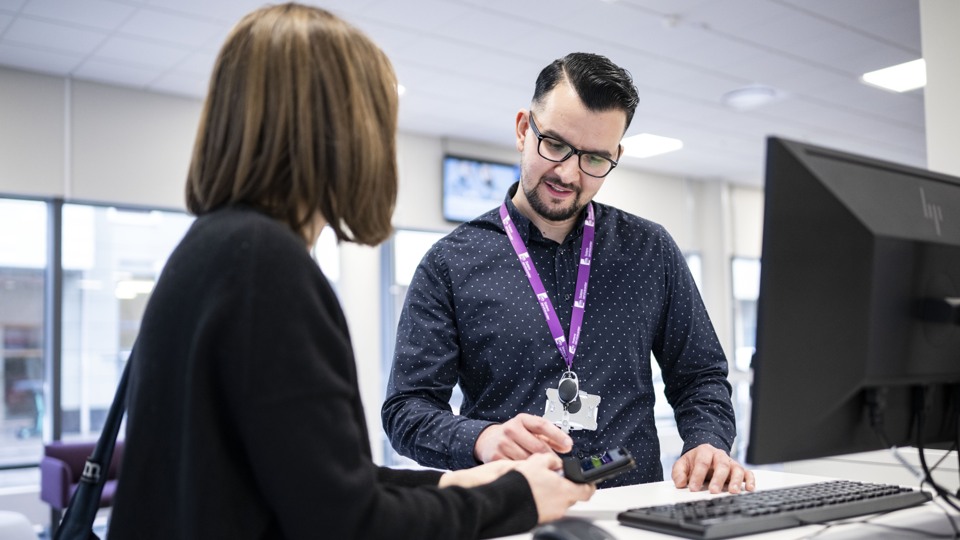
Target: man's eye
557 146
594 160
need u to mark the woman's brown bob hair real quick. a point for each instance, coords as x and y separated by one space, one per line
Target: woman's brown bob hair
301 116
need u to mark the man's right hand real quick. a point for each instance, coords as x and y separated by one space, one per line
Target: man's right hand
519 438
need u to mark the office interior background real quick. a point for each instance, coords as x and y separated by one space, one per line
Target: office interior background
99 102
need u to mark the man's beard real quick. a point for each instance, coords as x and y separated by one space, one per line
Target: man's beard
546 211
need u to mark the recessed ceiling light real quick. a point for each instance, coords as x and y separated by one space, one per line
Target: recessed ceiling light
750 97
899 78
646 145
401 89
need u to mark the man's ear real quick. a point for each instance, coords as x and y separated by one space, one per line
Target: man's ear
522 124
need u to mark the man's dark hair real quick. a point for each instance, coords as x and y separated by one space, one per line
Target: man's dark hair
601 84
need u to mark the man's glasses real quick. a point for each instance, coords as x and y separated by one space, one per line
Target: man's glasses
556 150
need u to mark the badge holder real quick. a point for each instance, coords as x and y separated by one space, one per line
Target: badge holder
570 408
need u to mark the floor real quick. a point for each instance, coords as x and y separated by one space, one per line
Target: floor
99 529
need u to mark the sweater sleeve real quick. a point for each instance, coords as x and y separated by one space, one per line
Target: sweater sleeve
505 505
292 391
402 477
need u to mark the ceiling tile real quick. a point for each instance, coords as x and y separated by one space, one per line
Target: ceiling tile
227 11
113 73
43 61
182 83
179 29
439 54
785 37
487 30
98 14
424 16
469 65
388 37
717 57
732 16
52 36
891 21
667 6
137 52
198 64
12 5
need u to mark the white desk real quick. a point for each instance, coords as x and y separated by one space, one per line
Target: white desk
607 503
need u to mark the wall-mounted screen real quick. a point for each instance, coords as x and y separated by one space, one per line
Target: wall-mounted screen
473 186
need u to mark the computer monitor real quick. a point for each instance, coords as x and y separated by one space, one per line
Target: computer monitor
859 302
474 186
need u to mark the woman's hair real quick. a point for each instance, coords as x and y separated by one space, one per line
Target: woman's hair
301 116
601 84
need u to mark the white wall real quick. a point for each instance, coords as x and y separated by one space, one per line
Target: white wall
31 133
128 146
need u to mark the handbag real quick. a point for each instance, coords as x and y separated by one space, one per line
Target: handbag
77 523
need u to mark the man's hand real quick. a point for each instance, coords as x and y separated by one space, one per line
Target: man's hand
519 438
706 463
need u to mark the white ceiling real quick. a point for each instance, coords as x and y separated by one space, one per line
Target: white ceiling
469 65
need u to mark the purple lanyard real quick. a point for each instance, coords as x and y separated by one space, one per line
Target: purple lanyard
583 278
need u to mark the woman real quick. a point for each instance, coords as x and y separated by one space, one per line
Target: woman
244 415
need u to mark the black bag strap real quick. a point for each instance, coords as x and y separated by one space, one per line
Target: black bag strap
77 523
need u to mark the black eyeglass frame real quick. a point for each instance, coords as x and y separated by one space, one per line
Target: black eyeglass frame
573 150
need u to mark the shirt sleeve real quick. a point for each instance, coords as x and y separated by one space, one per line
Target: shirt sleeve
416 413
293 396
692 361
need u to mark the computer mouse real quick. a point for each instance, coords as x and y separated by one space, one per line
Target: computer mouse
571 528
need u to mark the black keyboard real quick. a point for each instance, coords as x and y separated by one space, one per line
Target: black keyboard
772 509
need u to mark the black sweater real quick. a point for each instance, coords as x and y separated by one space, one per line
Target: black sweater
244 416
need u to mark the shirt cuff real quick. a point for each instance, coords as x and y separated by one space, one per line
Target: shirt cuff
465 439
705 438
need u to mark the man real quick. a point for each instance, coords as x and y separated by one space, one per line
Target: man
553 291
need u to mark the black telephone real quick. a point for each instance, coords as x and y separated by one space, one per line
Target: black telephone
597 468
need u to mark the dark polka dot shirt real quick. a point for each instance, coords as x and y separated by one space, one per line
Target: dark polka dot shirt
471 318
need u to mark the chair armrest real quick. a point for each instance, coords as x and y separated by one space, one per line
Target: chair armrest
55 482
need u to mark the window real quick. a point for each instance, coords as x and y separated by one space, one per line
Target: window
23 257
401 255
745 273
327 254
746 290
111 260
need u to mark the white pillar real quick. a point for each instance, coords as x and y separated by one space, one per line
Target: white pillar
939 21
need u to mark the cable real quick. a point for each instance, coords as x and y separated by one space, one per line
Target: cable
946 513
875 400
956 424
867 521
919 417
944 457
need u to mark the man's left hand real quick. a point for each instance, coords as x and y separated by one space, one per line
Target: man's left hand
708 464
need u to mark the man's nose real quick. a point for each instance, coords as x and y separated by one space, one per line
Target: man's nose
569 169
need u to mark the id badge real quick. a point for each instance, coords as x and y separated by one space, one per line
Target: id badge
585 418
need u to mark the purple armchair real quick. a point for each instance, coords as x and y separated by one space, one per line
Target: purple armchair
60 471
